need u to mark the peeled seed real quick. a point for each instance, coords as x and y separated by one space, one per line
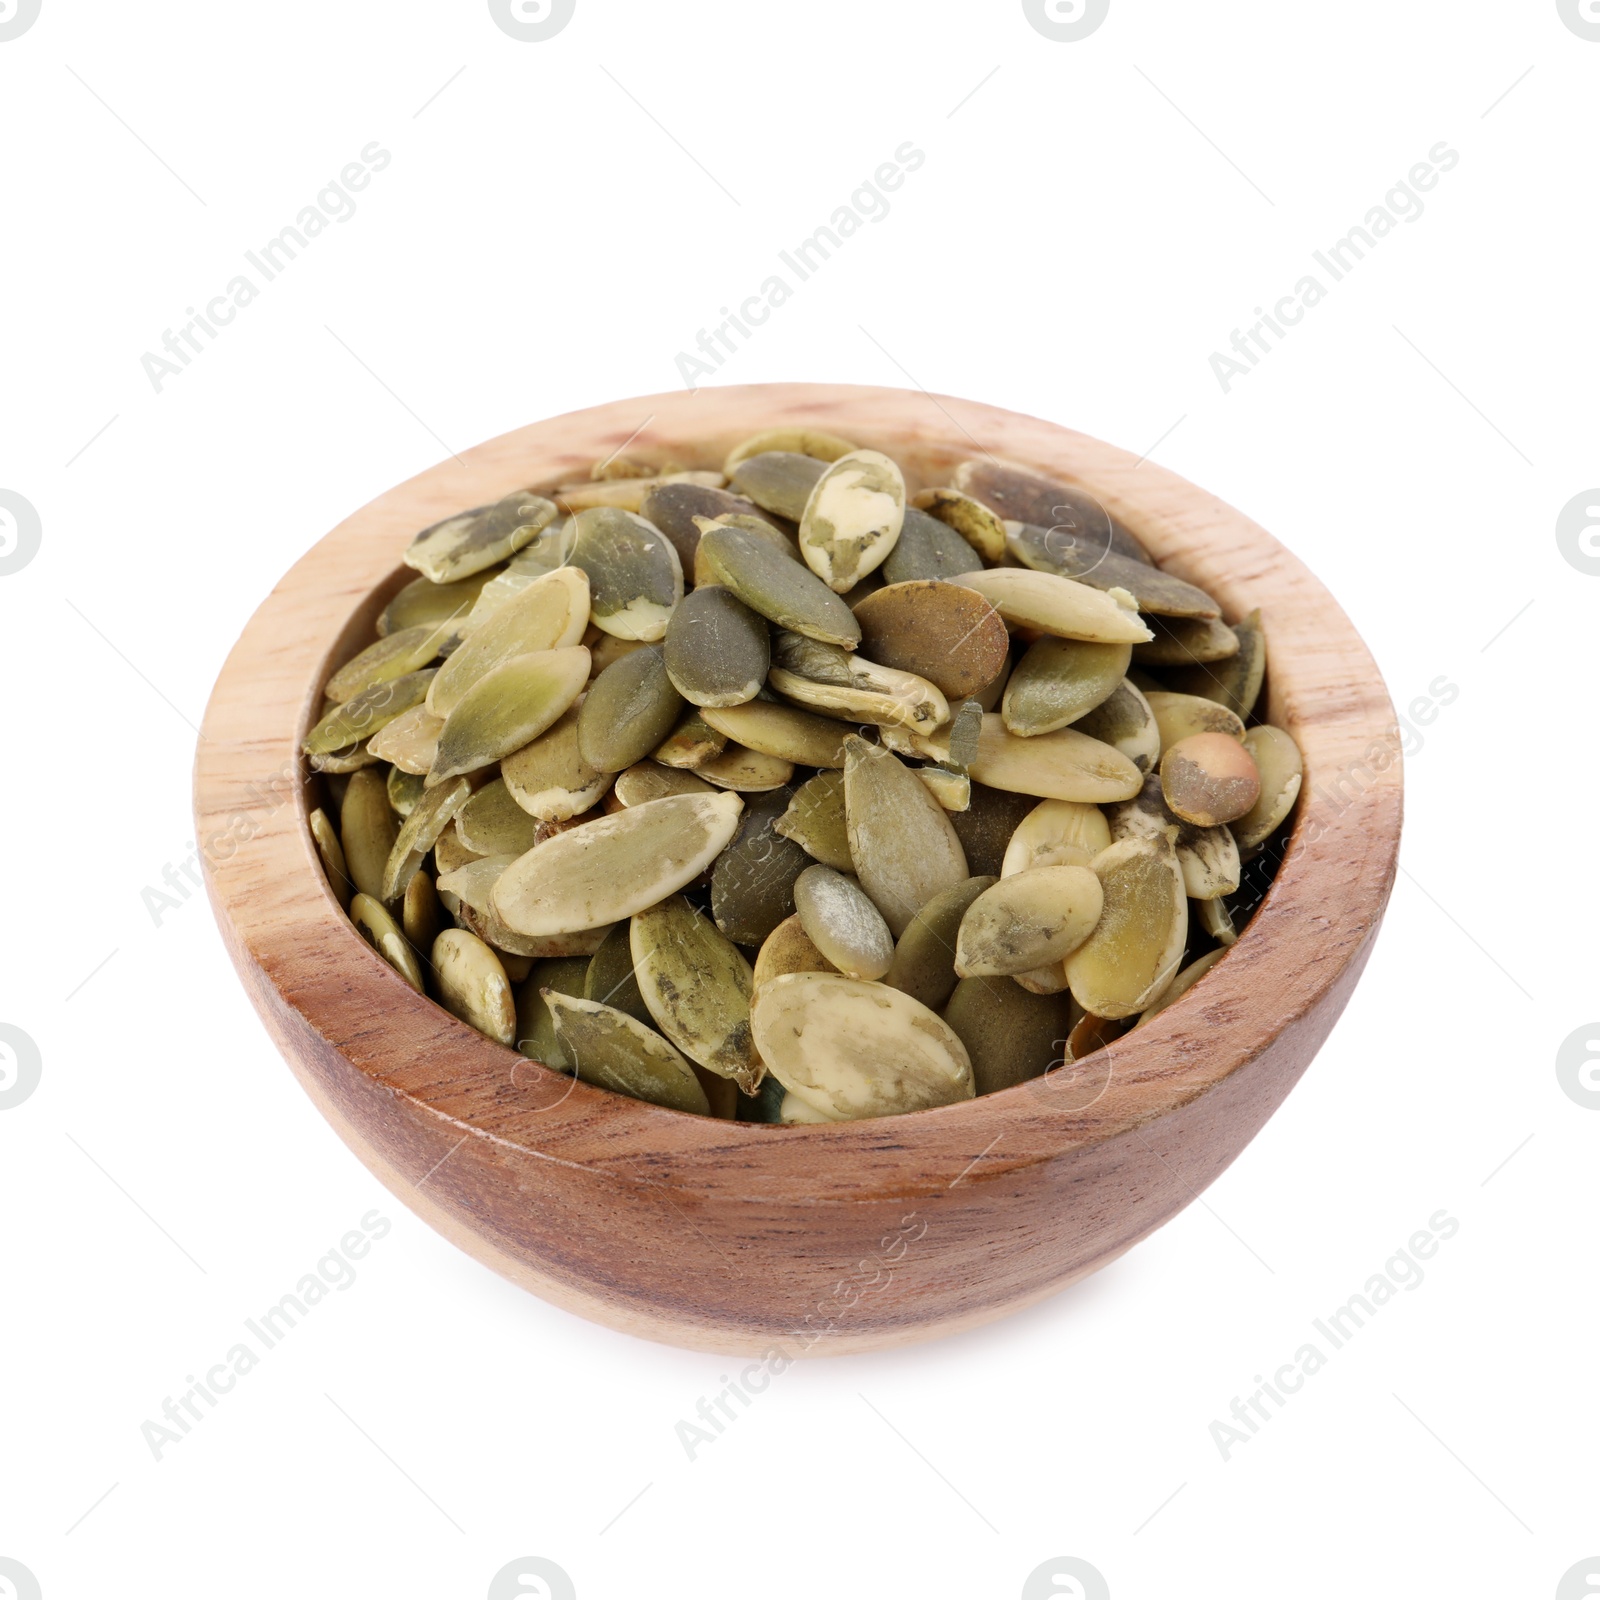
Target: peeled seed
779 481
425 603
953 790
462 545
1030 920
903 846
549 550
1064 765
421 829
697 987
1125 721
815 819
392 656
382 932
421 915
986 826
942 632
536 1029
843 923
1138 942
752 883
1019 495
852 518
605 870
626 494
1217 921
1277 759
611 979
1178 716
493 824
704 575
782 731
1092 1033
604 650
830 679
1057 833
676 509
983 531
1057 681
1182 641
796 1113
369 711
1060 606
777 588
1069 554
927 550
788 948
367 830
649 780
331 854
1209 778
609 1049
1051 979
924 964
748 771
411 741
1010 1034
471 984
549 778
813 442
691 741
450 854
1184 982
852 1049
508 708
629 709
716 649
472 884
635 577
1235 681
347 759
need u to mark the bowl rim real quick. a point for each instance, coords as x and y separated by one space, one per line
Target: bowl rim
286 930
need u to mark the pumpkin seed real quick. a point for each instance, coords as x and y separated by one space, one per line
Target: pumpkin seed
854 1049
1064 765
492 930
924 964
676 509
1125 721
778 480
903 846
609 1049
404 790
781 731
830 679
1184 641
1018 495
963 736
1057 681
1178 716
421 915
604 650
1136 946
716 649
752 883
380 930
450 854
843 923
794 1112
605 870
614 466
347 759
1056 833
508 708
691 741
1044 980
493 824
1209 778
1091 1033
331 853
953 790
1032 919
549 778
635 577
813 442
788 948
1208 857
411 741
1060 606
470 983
372 709
462 545
748 771
1277 759
986 827
1010 1035
697 987
611 978
1069 555
983 531
815 818
424 603
551 613
471 885
420 831
536 1029
942 632
630 708
392 656
1183 983
852 518
777 588
626 494
548 551
649 780
367 830
1217 921
926 550
1235 681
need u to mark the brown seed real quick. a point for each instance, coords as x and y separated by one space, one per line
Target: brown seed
943 632
691 741
1178 716
1209 778
788 948
1019 495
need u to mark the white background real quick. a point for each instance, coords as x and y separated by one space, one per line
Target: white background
557 222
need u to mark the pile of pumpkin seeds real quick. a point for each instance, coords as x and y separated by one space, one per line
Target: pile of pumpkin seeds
780 794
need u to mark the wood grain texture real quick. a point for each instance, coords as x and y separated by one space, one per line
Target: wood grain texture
739 1237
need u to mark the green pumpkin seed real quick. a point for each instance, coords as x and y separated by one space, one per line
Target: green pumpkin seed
982 530
1043 980
1069 555
1183 983
788 948
549 778
829 679
1277 759
986 826
1060 606
410 742
903 846
1125 721
367 830
536 1029
605 870
1018 495
390 657
626 494
629 709
649 780
494 824
781 731
421 915
381 931
942 632
470 983
611 978
794 1112
852 518
1064 765
1209 778
1185 641
813 442
775 587
420 831
1134 951
462 545
1180 715
953 790
1030 920
450 854
780 481
815 819
748 771
924 964
424 603
697 986
635 577
691 741
676 509
853 1049
371 710
1057 833
705 577
472 884
1236 680
508 708
488 927
716 649
331 854
1092 1033
1057 681
345 760
610 1050
1010 1035
548 551
843 923
752 883
613 467
1217 921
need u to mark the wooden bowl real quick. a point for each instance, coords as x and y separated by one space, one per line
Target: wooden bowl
741 1237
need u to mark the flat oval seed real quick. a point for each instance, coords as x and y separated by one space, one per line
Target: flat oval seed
393 656
462 545
549 778
550 614
649 780
796 1113
943 632
1209 778
609 1049
691 741
1060 606
611 978
704 576
813 442
983 531
788 948
508 708
549 550
779 481
425 603
1277 759
1184 982
852 688
629 709
675 508
331 854
605 870
635 577
1178 716
697 987
1125 722
1208 857
927 549
1217 921
410 742
1136 946
536 1029
924 964
716 651
1183 641
1010 1034
1043 980
1064 765
1018 495
1057 681
901 841
1234 682
1057 833
853 1049
367 830
843 923
815 819
345 760
1027 921
421 914
450 854
782 731
420 832
493 824
986 826
748 771
367 713
472 985
752 884
1068 555
852 518
382 932
777 588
